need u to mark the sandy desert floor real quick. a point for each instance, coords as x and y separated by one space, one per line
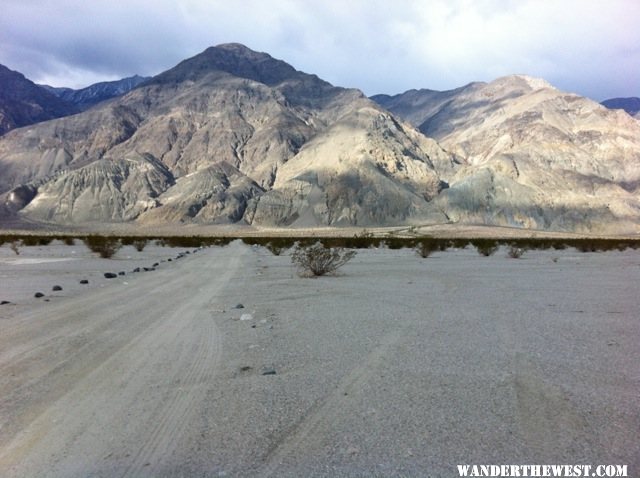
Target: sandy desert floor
396 366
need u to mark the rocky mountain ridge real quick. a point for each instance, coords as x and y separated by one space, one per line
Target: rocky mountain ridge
230 135
533 156
22 102
85 98
236 136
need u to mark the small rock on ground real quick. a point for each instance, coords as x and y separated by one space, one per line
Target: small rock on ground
110 275
37 295
56 287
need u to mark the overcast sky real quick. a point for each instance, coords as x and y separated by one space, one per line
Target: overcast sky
591 47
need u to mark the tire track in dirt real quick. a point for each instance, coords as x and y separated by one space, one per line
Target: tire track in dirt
135 333
317 423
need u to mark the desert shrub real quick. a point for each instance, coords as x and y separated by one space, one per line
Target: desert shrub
14 247
318 260
515 252
486 247
139 244
36 240
425 247
279 245
103 245
397 243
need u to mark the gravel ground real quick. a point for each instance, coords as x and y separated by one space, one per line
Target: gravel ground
396 366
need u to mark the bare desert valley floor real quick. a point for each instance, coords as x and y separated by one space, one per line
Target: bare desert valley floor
395 366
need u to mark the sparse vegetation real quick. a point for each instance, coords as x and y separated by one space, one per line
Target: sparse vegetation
486 247
14 247
425 247
139 244
105 246
318 260
515 252
364 240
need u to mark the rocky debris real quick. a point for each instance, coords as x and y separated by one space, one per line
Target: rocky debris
4 302
56 288
110 275
121 273
38 295
84 281
268 371
238 306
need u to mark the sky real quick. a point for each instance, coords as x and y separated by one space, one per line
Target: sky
589 47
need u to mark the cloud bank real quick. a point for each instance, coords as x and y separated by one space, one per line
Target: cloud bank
585 46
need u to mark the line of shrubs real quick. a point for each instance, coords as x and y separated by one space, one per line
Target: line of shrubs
106 246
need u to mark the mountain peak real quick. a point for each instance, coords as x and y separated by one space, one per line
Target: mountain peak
235 59
527 81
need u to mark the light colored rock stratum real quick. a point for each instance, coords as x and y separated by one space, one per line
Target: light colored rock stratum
531 155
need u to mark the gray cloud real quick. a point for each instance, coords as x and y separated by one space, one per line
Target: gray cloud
587 46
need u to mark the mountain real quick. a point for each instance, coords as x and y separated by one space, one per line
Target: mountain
630 105
87 97
228 136
532 156
22 102
236 136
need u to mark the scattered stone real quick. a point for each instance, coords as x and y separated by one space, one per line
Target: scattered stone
246 368
4 302
268 371
156 264
137 269
110 275
121 273
84 281
37 295
56 287
148 269
239 306
169 260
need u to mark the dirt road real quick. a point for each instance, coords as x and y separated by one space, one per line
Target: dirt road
104 384
398 366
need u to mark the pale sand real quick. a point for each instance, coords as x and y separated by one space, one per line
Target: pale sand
397 366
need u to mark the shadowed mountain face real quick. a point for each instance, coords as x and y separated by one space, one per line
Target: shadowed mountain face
230 135
531 155
85 98
22 102
236 136
630 105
